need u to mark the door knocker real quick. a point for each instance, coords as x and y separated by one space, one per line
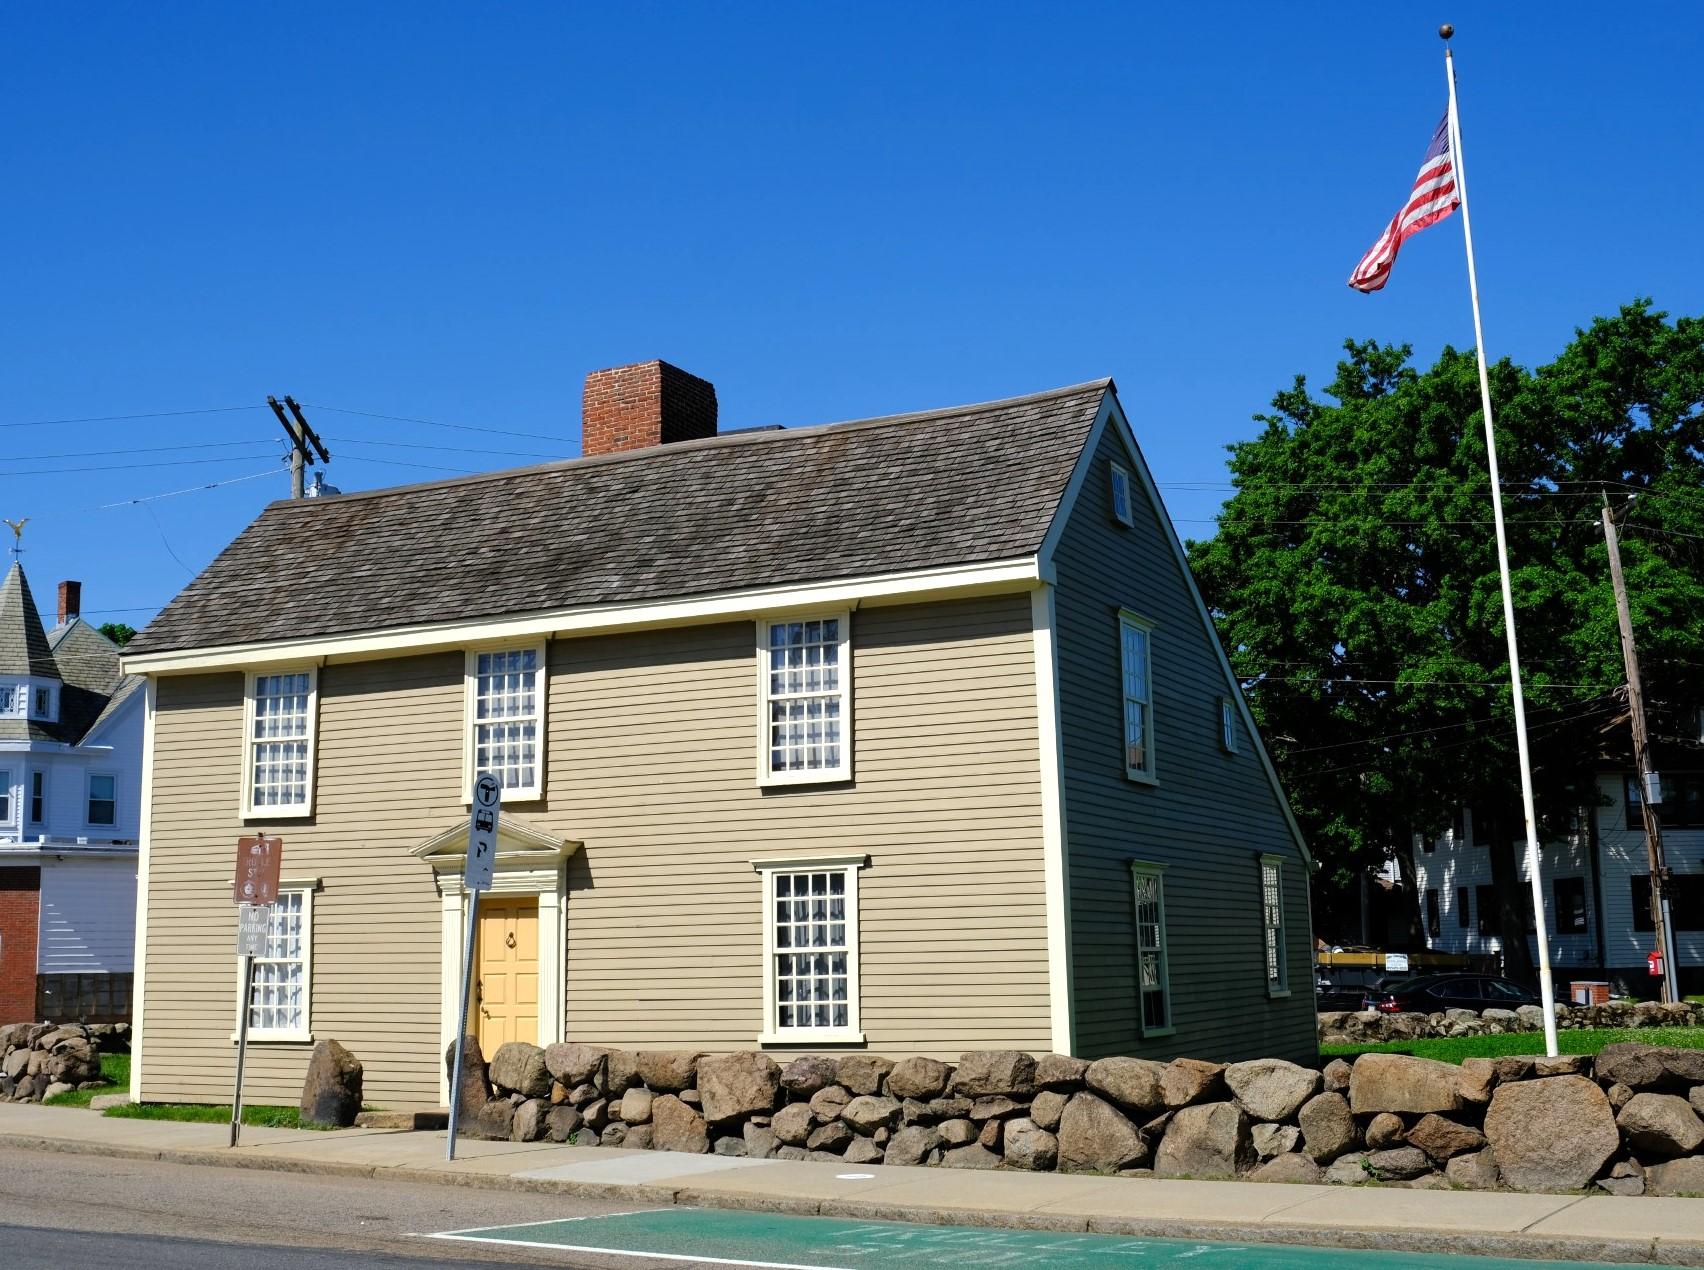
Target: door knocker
509 939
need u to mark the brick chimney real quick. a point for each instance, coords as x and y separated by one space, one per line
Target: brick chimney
70 601
635 407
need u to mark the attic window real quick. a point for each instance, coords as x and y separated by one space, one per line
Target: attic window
9 700
1122 508
43 705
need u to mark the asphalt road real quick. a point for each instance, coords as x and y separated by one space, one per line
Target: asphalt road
61 1210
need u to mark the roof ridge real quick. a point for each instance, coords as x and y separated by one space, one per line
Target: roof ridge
755 435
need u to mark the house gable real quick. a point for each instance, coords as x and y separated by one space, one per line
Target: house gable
1208 815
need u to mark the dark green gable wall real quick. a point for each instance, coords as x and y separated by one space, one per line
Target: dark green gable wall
1208 819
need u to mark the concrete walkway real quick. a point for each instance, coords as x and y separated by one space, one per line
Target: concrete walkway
1558 1227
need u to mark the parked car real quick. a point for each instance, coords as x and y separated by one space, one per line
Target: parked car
1428 994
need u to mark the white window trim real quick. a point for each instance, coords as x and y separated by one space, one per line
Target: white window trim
470 721
278 811
1115 471
1227 725
89 798
305 1033
1281 988
1148 868
1150 774
852 1033
821 776
14 812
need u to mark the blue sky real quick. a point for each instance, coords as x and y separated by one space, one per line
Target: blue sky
453 211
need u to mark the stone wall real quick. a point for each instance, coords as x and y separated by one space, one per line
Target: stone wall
1370 1027
1627 1123
39 1060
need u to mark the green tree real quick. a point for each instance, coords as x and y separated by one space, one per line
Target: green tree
118 632
1354 582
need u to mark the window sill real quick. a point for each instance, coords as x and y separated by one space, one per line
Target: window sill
277 813
1277 994
813 1036
277 1038
1140 778
1151 1033
767 781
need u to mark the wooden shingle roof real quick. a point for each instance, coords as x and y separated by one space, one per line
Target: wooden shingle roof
746 510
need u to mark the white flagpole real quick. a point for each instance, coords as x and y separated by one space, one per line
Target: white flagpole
1547 988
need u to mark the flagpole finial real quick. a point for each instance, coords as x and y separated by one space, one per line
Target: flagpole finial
1445 31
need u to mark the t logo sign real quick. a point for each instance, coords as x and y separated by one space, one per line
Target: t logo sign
482 833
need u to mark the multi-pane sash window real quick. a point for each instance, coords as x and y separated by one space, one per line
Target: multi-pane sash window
5 795
103 799
806 676
278 1001
281 738
1272 922
1137 668
1153 976
811 944
1122 507
508 716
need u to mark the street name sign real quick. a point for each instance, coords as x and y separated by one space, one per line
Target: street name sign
257 870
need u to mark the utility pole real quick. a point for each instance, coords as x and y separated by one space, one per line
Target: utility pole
301 437
1649 790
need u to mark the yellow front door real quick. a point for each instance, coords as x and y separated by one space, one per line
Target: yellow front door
505 986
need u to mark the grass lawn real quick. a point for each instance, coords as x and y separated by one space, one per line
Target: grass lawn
205 1113
1452 1049
115 1070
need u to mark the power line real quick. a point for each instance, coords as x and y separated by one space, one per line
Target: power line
1457 745
1350 681
148 449
190 489
1392 736
155 414
428 467
452 449
125 467
436 423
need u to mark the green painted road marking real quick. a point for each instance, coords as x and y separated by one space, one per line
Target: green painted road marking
723 1237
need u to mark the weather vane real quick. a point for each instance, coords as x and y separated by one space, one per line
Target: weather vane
17 535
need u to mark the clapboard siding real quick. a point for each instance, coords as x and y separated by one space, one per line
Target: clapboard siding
1208 819
651 763
653 757
1454 864
88 917
1624 857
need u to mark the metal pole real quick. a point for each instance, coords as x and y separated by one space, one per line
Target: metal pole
242 1047
1547 989
461 1025
1642 761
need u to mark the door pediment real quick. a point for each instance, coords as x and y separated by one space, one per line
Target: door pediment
520 846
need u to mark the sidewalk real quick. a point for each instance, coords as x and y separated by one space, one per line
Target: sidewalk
1559 1227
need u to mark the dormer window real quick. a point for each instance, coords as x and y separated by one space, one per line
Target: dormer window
43 703
8 700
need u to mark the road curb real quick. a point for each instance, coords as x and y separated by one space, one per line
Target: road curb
1642 1251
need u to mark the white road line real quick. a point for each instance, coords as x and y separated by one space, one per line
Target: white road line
549 1221
628 1252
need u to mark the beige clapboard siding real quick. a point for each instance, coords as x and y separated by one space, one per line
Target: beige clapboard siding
652 752
664 945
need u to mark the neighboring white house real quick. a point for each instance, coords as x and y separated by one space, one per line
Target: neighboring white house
70 795
1595 899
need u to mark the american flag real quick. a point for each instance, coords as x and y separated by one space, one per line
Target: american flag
1433 197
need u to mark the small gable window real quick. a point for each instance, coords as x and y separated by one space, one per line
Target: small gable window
1227 726
1123 509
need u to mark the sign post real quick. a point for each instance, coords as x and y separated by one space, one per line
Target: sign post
255 889
476 877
